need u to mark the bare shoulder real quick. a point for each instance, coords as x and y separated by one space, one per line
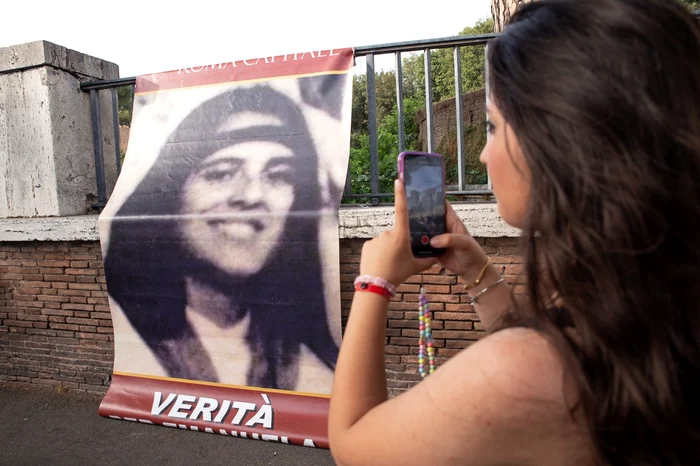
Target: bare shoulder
516 362
509 388
500 401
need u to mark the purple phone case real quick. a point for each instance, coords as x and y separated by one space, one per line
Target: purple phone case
401 157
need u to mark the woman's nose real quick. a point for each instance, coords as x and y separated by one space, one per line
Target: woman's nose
483 157
247 189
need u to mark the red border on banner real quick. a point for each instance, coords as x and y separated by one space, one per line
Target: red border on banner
329 61
245 412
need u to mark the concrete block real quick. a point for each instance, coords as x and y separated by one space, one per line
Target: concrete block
47 165
44 53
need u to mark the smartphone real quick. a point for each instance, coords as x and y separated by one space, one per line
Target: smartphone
423 175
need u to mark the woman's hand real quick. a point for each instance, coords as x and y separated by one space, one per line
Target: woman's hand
389 255
464 256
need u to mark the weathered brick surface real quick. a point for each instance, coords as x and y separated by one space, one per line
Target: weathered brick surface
58 331
47 333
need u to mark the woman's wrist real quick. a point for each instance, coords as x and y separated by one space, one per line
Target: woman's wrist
373 301
490 276
477 267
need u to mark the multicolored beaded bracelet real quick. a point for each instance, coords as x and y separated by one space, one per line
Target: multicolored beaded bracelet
426 335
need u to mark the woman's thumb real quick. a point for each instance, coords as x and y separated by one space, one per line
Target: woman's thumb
450 240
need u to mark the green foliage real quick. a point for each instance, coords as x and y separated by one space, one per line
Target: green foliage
443 86
385 95
471 65
387 144
474 141
691 4
442 68
125 99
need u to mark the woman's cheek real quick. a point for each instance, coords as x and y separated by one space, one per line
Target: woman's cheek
280 199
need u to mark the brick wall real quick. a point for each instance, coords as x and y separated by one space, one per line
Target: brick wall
55 326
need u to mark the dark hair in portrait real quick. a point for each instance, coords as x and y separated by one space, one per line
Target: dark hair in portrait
148 260
604 97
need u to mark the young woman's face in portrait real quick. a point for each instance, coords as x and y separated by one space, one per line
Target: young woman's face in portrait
237 203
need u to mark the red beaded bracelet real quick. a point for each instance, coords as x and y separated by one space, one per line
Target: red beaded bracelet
363 286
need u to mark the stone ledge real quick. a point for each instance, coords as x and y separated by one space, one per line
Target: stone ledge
44 53
482 220
78 228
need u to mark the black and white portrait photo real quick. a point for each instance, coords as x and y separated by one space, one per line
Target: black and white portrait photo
221 242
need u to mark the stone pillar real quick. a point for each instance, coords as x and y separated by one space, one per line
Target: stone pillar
47 164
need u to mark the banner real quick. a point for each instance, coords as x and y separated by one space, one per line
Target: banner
221 249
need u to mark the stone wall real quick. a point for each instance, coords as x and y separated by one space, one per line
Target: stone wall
445 118
56 329
445 135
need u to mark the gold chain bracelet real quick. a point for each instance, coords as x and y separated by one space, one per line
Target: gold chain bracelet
480 277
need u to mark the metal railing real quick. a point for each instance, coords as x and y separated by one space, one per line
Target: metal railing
426 46
94 88
369 52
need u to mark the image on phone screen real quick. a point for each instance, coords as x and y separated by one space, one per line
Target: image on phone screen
424 182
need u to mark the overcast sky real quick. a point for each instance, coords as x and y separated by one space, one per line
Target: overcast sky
144 37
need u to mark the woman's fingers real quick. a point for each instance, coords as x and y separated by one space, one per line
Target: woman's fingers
401 210
426 263
451 240
453 222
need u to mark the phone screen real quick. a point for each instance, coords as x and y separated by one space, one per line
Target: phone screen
424 181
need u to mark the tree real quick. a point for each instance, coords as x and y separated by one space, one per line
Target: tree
691 4
501 11
471 64
385 98
125 99
359 118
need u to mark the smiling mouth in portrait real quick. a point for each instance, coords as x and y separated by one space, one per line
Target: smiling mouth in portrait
237 227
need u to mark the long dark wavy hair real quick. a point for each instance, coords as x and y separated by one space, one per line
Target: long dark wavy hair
604 97
147 260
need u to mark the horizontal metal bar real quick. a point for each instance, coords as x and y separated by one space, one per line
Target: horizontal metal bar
367 196
475 192
415 45
466 192
107 83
